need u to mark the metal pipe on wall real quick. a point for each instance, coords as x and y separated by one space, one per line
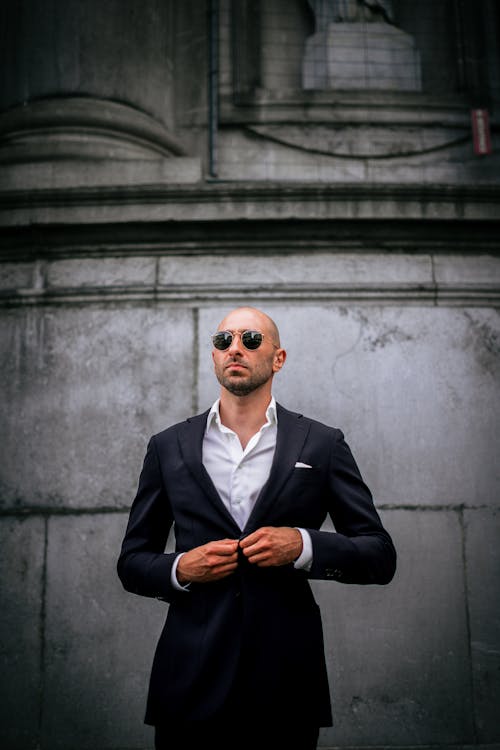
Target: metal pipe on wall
213 85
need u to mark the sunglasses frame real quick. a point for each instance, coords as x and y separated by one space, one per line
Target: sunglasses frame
241 334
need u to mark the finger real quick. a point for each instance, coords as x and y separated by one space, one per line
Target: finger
260 560
252 538
221 572
256 551
221 568
223 547
259 543
229 542
223 561
251 551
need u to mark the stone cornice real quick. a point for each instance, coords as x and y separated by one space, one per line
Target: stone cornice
391 294
233 201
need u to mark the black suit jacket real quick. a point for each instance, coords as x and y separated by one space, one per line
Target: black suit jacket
263 621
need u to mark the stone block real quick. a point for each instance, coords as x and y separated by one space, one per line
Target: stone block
99 640
462 270
483 586
96 272
361 56
22 544
328 270
275 161
84 389
16 275
414 389
75 173
398 656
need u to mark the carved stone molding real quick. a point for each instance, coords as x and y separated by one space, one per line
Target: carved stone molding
78 127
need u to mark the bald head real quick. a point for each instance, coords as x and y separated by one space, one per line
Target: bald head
251 318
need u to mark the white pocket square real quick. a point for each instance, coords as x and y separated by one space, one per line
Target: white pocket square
300 465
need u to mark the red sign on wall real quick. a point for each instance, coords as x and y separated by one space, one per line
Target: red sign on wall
481 131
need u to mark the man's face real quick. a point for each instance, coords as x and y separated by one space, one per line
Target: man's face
241 370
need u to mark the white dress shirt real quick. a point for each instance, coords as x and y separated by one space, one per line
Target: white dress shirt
240 473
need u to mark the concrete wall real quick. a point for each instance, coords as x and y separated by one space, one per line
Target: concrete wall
415 389
364 224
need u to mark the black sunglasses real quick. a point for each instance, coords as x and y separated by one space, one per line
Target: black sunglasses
250 339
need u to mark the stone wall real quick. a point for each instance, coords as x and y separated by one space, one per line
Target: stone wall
364 223
399 349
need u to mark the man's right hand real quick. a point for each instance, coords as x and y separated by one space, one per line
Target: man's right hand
209 562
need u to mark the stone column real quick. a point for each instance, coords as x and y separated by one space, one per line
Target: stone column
89 81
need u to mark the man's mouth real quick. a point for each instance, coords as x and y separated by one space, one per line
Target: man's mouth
235 366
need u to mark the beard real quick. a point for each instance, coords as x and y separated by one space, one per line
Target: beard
242 385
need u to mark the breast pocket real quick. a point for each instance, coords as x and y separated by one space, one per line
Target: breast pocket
305 481
302 500
314 474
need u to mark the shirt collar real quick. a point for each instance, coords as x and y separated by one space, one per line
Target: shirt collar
214 415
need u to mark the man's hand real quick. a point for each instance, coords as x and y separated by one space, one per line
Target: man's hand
209 562
271 545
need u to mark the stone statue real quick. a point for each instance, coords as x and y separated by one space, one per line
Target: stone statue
357 45
351 11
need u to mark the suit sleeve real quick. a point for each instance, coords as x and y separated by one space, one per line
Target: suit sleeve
361 550
143 566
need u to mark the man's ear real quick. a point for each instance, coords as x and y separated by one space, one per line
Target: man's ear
279 359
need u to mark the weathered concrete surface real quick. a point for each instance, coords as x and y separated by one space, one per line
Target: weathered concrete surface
71 174
103 272
99 640
426 278
483 583
326 199
17 276
300 270
118 266
398 655
22 545
415 390
68 48
84 388
332 58
266 158
466 269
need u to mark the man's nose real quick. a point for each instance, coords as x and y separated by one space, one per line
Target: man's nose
236 345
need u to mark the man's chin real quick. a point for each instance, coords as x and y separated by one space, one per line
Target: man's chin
240 383
238 388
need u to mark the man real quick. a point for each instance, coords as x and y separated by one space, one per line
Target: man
240 662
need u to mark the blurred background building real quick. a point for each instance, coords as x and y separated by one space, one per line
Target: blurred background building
335 163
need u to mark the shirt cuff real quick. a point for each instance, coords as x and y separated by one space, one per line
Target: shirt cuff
173 575
305 559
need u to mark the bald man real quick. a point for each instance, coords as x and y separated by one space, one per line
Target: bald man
247 485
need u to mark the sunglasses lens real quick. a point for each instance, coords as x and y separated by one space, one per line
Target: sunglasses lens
222 340
251 339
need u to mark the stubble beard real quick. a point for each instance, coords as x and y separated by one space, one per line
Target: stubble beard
242 385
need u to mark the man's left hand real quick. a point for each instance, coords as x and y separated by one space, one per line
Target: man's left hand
271 545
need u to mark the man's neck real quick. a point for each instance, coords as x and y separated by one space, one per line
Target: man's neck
245 415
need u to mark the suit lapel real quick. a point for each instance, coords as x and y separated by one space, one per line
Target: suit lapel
292 433
191 444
